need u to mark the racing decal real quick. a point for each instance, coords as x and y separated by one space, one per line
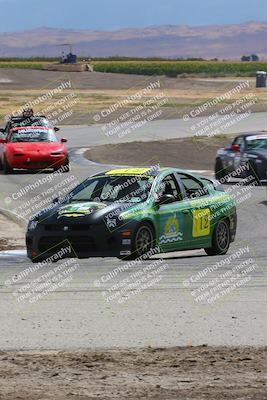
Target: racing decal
201 222
128 171
111 222
79 210
173 230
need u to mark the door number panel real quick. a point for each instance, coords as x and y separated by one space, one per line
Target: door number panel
201 222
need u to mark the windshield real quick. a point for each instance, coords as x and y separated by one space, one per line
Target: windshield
34 135
256 142
129 189
30 121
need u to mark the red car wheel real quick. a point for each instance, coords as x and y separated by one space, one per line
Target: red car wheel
6 167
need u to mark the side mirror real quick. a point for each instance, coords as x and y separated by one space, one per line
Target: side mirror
3 141
235 147
165 199
64 140
56 129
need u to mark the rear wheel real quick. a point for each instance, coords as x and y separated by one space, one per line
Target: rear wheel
220 239
220 172
6 167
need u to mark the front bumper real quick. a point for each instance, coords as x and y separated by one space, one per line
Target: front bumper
37 162
82 240
233 226
259 170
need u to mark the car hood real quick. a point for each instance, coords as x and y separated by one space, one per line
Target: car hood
84 212
261 152
38 147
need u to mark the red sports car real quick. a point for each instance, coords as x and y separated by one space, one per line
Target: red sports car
33 147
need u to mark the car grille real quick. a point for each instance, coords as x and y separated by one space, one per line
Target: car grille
78 244
65 227
37 164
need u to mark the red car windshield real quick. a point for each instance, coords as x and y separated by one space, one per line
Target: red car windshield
33 135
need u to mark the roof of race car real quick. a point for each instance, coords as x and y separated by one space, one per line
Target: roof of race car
20 118
148 171
140 171
256 133
131 171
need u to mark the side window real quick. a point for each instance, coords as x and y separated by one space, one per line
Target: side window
170 186
241 142
194 188
209 184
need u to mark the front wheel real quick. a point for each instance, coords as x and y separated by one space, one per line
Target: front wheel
143 241
37 260
220 172
254 173
220 239
65 167
6 167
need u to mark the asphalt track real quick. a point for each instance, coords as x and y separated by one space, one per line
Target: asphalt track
82 314
84 136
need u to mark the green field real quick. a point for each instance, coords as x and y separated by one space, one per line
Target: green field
174 68
148 67
21 64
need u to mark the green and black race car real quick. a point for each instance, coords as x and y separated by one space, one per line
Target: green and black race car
127 212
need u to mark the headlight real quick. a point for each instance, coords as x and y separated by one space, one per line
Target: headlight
32 225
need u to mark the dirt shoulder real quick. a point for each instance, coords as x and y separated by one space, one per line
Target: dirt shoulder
181 153
11 235
153 373
95 92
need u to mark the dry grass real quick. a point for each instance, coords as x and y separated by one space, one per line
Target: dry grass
179 101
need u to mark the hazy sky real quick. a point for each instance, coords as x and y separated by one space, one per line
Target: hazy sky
113 14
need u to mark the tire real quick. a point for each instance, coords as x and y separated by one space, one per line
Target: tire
37 260
143 241
221 239
6 167
66 168
220 172
253 171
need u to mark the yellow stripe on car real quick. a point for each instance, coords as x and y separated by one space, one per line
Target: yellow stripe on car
128 171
